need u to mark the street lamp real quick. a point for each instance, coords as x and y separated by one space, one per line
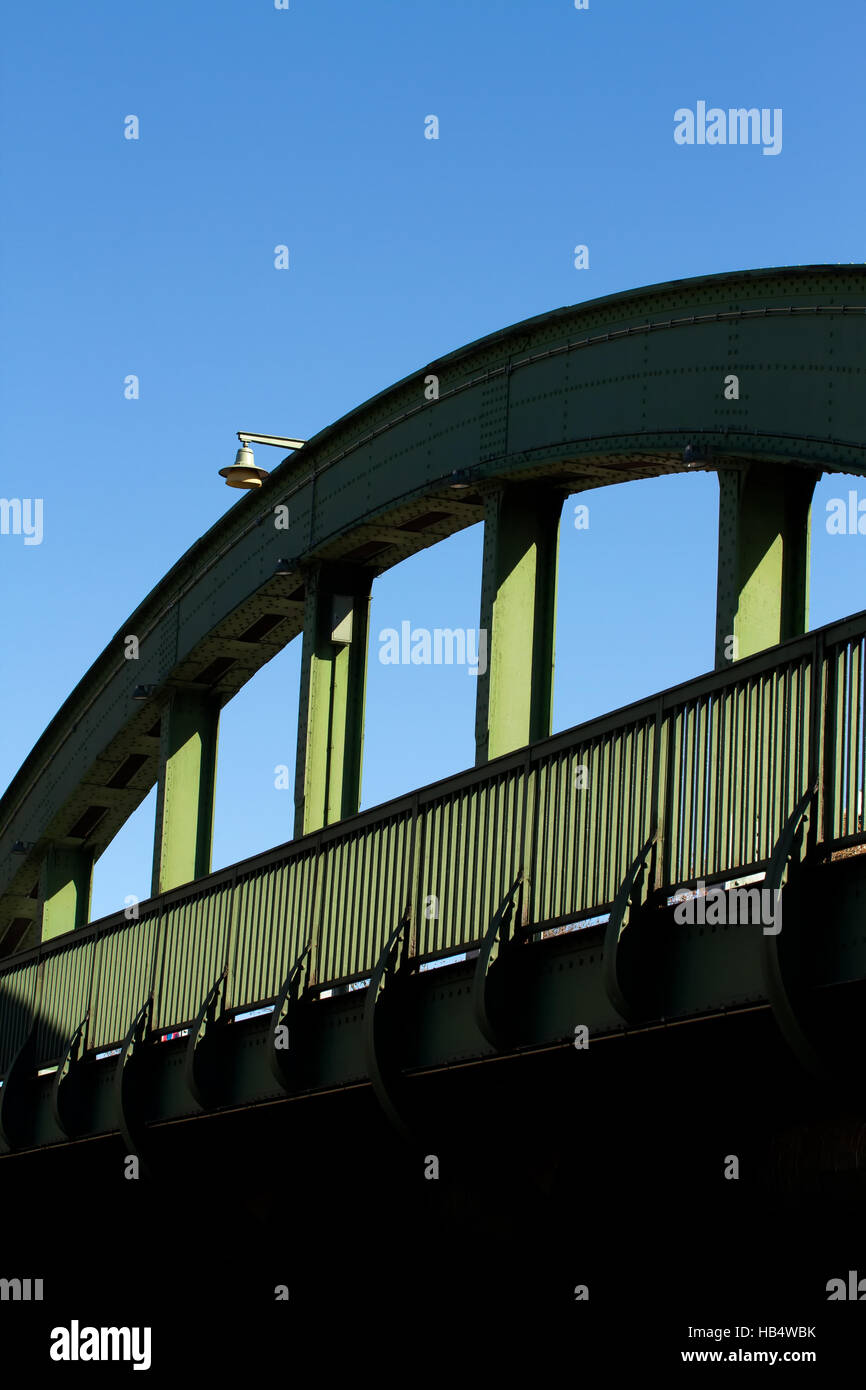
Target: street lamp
243 472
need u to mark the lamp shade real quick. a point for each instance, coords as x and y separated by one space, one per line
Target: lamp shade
243 472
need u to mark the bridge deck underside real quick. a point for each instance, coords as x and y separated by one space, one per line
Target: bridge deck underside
601 1169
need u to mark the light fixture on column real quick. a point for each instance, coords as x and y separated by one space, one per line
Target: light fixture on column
143 692
460 479
244 472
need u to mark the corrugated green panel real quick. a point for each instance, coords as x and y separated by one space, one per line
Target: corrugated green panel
627 761
631 812
740 764
585 839
63 997
848 774
560 810
364 891
273 922
782 768
471 858
193 952
17 987
694 813
447 829
124 970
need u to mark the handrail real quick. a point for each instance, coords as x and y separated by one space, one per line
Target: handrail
714 766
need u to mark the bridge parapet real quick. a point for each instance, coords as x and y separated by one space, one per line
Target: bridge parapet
712 769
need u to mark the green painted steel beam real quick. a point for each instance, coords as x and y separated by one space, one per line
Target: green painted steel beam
65 883
763 571
333 688
185 799
518 614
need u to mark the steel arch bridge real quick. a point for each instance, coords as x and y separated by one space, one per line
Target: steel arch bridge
757 768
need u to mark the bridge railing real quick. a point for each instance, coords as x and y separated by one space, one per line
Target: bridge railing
713 767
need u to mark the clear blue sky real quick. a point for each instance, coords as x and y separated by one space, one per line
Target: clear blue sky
305 127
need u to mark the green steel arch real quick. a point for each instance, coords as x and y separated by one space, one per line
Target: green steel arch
624 387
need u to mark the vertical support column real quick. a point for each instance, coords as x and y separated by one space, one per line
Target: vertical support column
518 609
187 782
65 881
333 691
763 574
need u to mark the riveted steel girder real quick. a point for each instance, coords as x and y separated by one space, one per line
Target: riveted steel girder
65 884
518 618
187 779
763 575
333 684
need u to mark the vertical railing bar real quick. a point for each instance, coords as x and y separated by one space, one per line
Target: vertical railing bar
744 851
662 794
610 791
232 940
711 781
831 747
853 738
317 912
158 959
861 808
839 746
699 816
690 731
676 867
767 744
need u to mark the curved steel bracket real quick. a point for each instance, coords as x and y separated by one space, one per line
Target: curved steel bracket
125 1109
22 1066
64 1082
284 1059
496 943
776 986
630 897
380 1073
193 1070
